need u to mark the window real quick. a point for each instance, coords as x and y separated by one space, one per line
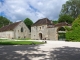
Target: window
18 30
22 29
40 27
18 36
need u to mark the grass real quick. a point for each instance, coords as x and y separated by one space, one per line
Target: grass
12 42
24 39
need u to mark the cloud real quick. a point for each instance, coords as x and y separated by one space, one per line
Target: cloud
33 9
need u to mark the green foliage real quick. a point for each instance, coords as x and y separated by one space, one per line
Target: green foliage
68 28
69 36
4 21
65 18
61 36
20 43
55 22
28 23
61 29
76 23
71 7
74 34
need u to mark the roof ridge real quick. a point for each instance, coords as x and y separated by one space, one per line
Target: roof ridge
44 21
9 27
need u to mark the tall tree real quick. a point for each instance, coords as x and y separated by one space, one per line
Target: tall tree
66 18
28 23
4 21
71 7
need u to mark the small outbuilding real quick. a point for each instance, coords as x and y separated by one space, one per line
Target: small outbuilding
17 30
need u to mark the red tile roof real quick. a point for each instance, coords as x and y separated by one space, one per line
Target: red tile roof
9 27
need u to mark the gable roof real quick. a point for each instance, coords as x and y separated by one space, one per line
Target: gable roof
44 21
62 24
9 27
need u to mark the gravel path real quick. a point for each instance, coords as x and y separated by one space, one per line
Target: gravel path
52 50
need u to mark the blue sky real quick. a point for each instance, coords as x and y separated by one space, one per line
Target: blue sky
34 9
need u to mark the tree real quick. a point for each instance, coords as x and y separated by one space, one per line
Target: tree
4 21
28 23
74 34
55 21
66 18
71 7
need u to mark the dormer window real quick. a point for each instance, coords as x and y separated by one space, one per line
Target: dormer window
21 29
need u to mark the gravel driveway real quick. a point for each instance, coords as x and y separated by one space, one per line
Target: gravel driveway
52 50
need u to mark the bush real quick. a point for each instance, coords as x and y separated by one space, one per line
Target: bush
74 34
68 28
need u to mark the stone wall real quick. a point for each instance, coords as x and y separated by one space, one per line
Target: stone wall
47 33
7 34
18 34
36 30
52 33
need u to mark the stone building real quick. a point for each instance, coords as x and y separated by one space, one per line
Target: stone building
45 29
17 30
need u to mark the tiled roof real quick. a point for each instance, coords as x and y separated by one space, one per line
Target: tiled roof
62 24
9 27
44 21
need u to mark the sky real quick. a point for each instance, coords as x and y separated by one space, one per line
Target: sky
16 10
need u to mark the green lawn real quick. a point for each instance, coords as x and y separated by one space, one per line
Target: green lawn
12 42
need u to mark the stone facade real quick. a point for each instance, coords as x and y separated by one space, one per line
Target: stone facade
45 29
7 34
37 31
21 34
16 30
42 32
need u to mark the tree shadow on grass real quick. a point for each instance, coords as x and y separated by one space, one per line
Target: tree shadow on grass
65 53
19 52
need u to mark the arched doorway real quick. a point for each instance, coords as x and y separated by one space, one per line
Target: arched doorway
61 33
40 36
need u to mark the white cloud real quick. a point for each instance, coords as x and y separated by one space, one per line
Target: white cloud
33 9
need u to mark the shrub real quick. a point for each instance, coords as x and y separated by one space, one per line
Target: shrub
74 34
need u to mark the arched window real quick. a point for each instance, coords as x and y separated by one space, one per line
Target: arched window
22 29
